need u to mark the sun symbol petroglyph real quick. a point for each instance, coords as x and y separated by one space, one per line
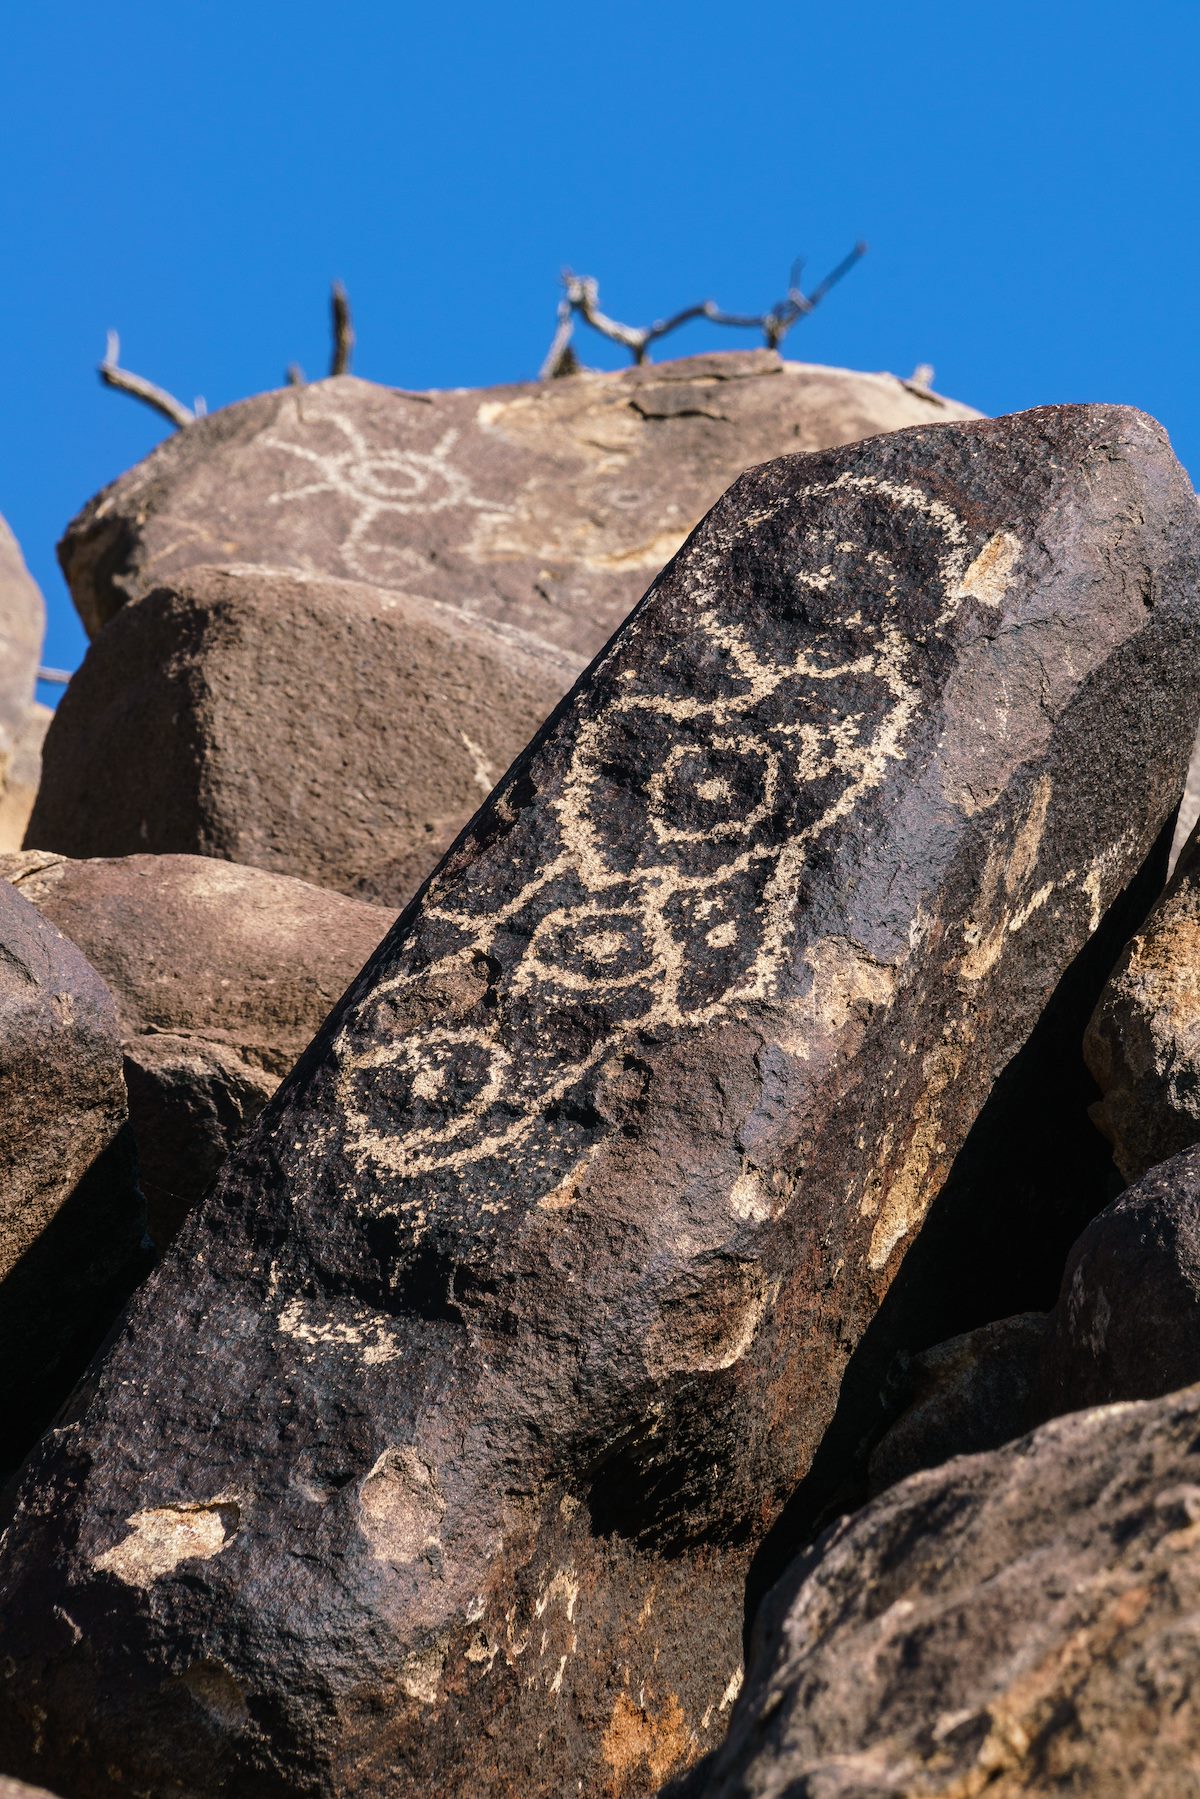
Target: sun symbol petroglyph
658 892
377 481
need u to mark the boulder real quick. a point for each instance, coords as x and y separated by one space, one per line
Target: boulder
221 976
548 505
22 720
433 1456
971 1393
72 1222
1127 1322
1022 1622
339 733
1143 1041
1126 1325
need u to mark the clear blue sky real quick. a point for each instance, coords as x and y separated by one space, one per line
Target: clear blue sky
195 174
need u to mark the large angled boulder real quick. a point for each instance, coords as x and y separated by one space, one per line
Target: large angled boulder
1023 1622
72 1222
339 733
1143 1041
433 1456
547 505
221 975
22 720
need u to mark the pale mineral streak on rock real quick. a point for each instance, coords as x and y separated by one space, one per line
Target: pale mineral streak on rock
366 1334
161 1537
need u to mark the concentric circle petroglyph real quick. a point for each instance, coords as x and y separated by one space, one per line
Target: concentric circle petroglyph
376 482
664 895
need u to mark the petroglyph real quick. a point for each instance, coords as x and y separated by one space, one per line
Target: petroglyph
682 919
377 480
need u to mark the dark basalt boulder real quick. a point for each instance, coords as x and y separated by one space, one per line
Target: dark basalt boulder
547 505
434 1455
1126 1326
1143 1041
339 733
1127 1322
972 1393
221 975
1020 1623
72 1221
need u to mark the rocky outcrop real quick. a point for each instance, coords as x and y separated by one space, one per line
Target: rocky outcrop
221 976
433 1456
548 506
1143 1042
22 721
71 1217
339 733
1024 1622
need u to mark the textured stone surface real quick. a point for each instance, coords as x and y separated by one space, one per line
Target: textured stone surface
71 1217
433 1456
221 976
1143 1041
549 505
22 722
1127 1322
1024 1622
961 1397
340 733
16 1789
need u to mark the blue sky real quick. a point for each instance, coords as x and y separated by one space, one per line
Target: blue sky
195 175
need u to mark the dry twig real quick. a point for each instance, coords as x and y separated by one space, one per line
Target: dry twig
113 375
343 331
581 299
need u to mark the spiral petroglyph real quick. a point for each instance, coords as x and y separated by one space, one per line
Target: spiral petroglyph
782 745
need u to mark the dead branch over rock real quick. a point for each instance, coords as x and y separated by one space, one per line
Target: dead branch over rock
139 388
581 299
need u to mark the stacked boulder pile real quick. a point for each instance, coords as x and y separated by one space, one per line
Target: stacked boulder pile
614 933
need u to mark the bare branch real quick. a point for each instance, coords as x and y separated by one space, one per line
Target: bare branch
343 331
582 299
560 357
113 375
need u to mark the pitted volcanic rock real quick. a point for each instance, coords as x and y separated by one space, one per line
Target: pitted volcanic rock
434 1455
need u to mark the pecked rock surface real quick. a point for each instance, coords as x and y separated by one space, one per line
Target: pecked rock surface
72 1220
1143 1041
221 976
433 1457
548 505
339 733
1024 1622
22 720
